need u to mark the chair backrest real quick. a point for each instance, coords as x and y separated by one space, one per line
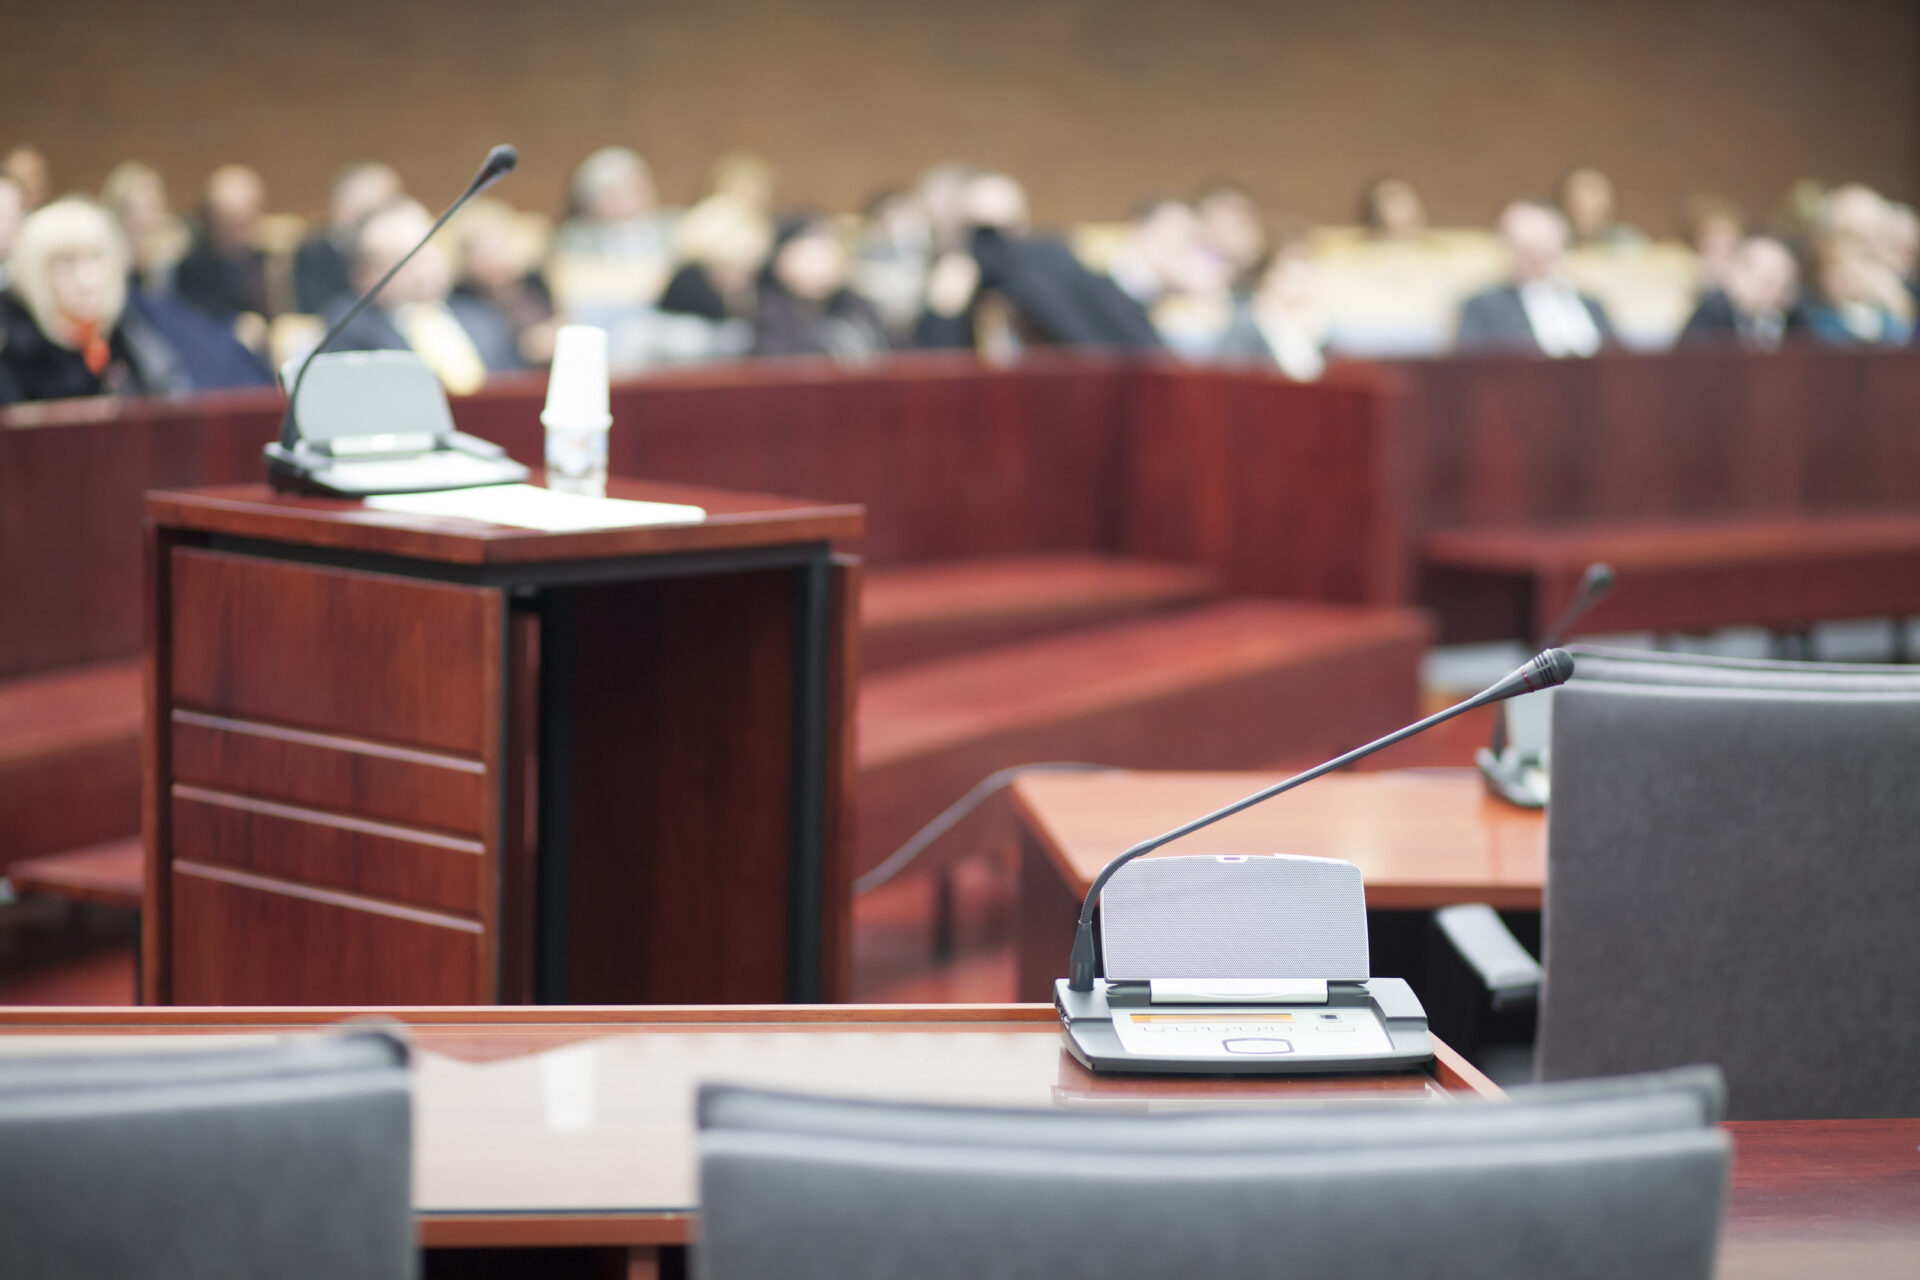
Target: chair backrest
1648 666
1734 876
291 1160
1685 1098
802 1205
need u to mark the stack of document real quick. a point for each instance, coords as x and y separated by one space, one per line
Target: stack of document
527 506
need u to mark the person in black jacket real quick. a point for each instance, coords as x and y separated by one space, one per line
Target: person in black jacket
65 329
805 306
1758 307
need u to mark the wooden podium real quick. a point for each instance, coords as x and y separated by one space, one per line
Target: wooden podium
401 759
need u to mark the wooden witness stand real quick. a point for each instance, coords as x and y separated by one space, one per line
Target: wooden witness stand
397 759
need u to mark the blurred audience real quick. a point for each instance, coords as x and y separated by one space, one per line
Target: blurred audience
952 261
460 337
1758 302
1539 310
322 265
224 273
64 327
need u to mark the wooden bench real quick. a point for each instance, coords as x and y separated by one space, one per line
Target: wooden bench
1782 572
915 613
1221 686
69 760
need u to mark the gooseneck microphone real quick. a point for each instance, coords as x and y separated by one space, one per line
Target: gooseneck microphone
499 163
1595 583
1543 671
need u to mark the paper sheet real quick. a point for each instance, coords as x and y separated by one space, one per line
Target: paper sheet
529 507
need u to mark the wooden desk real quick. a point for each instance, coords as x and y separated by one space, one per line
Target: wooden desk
1422 840
399 759
574 1126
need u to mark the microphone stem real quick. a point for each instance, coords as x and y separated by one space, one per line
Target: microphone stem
289 425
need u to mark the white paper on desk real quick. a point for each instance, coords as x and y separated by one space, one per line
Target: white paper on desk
530 507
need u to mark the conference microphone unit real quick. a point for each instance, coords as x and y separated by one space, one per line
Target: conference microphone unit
1545 670
1595 583
378 421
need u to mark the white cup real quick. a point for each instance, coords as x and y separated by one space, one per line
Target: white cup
577 416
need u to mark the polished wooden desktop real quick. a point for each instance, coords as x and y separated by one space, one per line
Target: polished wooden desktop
402 759
572 1128
1422 839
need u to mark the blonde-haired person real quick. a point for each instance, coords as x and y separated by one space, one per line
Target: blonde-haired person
64 327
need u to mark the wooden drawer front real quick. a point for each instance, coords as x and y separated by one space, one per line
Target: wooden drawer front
244 939
366 654
349 775
401 865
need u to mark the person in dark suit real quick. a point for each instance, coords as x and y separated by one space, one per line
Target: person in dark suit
322 265
461 338
1539 311
1758 306
225 272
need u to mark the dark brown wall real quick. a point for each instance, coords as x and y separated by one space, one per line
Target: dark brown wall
1092 103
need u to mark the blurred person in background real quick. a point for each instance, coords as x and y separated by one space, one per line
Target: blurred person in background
722 244
1591 206
28 168
1391 209
460 338
136 196
1859 298
225 272
943 194
1283 321
1758 303
13 212
804 306
1232 231
1539 310
64 327
1715 228
747 182
322 265
894 255
498 254
1012 288
615 248
1899 246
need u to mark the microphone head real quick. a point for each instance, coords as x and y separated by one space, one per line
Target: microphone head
499 163
1597 580
1548 668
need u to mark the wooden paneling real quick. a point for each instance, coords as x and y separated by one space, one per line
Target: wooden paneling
328 850
679 713
372 779
1282 489
361 654
69 760
325 947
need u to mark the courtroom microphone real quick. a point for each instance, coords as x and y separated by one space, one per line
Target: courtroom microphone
499 163
1543 671
1595 583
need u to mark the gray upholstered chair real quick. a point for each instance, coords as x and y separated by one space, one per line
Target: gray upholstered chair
1646 666
1734 876
814 1188
290 1160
